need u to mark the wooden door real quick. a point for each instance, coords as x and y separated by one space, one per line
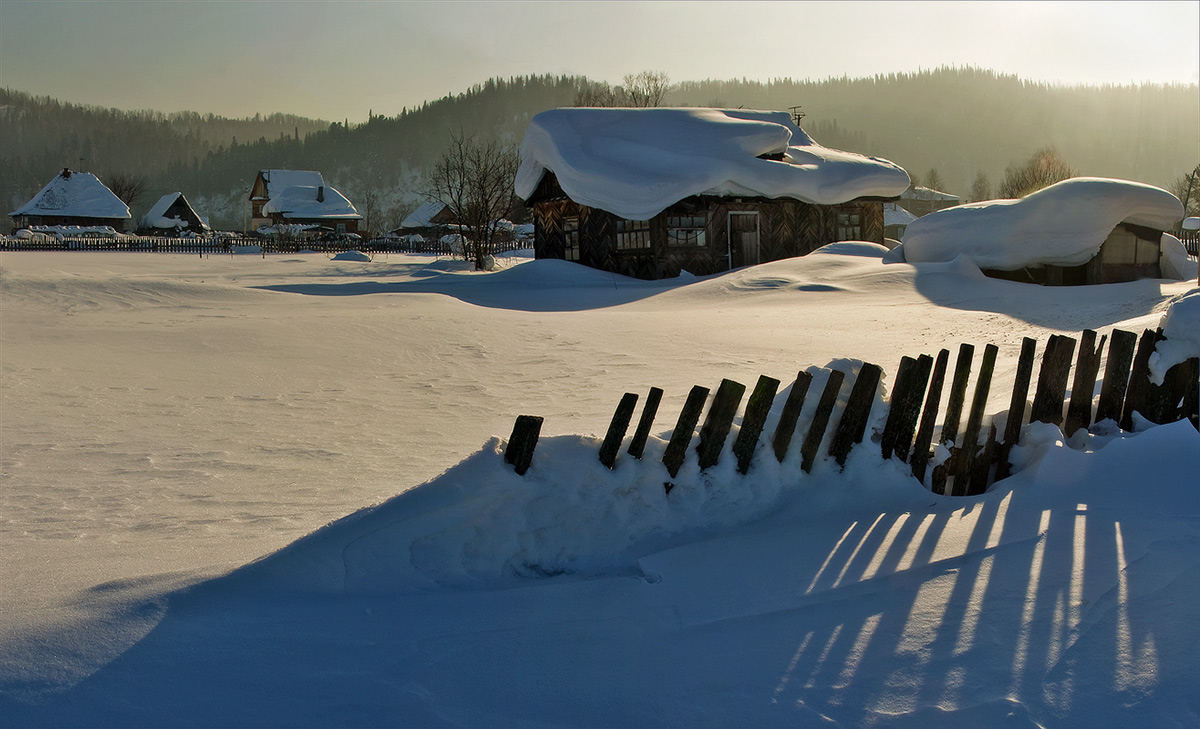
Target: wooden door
743 238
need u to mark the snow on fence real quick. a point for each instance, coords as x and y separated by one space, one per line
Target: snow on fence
913 410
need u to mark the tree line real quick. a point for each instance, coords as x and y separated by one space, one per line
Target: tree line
962 128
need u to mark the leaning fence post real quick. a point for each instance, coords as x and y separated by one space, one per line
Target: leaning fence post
719 420
1116 375
920 457
1052 381
970 443
1087 366
684 429
856 413
524 438
791 412
617 428
1016 407
911 379
753 420
638 444
1138 395
816 430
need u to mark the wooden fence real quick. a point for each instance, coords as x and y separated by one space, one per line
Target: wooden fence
231 245
914 408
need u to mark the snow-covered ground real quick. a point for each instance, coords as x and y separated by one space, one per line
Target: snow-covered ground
178 431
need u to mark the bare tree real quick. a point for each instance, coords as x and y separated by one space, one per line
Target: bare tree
643 89
1043 169
475 181
647 88
933 180
1187 189
128 187
981 188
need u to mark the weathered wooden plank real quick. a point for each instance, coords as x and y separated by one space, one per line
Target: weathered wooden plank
685 428
791 412
900 388
1083 387
1052 380
970 441
958 393
981 468
1016 407
617 428
1116 375
637 446
912 377
522 442
816 431
933 400
853 423
1139 394
753 420
719 420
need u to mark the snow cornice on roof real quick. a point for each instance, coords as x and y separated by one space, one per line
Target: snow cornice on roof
635 163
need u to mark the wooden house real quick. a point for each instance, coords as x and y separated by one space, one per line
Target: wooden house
920 200
431 220
172 215
73 199
300 200
650 193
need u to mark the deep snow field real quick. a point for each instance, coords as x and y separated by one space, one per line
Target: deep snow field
177 432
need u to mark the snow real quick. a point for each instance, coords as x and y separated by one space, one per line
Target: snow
269 492
1192 223
635 163
423 216
301 203
1181 327
79 195
893 214
1062 225
927 193
276 181
352 256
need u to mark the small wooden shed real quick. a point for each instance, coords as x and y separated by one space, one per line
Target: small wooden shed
172 215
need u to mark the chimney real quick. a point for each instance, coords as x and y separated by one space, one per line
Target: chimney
66 173
321 193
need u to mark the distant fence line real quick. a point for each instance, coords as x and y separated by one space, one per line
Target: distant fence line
241 244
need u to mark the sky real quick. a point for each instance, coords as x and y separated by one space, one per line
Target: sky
344 60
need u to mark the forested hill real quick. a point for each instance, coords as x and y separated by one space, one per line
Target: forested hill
959 122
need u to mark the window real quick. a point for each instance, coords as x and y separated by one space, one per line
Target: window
571 238
685 231
849 226
633 235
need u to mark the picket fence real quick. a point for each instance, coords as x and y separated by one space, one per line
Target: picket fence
975 461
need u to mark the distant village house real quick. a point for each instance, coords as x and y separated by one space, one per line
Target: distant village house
920 200
299 200
172 215
72 200
650 193
431 220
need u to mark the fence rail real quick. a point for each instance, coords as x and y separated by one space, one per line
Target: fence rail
976 460
241 244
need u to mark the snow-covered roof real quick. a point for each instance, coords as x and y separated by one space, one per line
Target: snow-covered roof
277 181
157 216
75 194
300 202
636 162
423 216
1063 224
893 214
927 193
1192 223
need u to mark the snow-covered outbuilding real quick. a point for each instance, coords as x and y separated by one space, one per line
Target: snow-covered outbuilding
173 215
652 192
433 219
920 200
76 199
300 198
1085 230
